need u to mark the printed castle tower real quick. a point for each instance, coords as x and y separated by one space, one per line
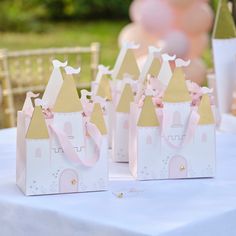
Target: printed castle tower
165 72
147 143
205 137
158 67
100 169
37 151
68 115
152 65
177 145
126 63
177 105
101 86
54 84
126 98
97 118
125 71
48 169
104 88
120 138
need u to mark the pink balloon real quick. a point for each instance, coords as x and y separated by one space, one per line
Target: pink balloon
197 45
156 16
197 19
196 71
177 15
135 33
176 42
135 10
181 3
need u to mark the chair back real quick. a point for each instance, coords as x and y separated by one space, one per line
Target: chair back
29 70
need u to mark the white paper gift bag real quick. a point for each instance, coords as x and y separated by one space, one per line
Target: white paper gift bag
224 55
176 141
124 74
62 150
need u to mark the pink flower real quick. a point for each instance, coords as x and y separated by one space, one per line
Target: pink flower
157 101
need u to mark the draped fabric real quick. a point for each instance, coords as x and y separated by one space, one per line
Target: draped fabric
164 208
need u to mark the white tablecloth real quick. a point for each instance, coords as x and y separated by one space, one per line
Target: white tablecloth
166 208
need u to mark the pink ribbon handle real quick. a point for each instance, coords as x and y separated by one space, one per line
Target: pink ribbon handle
192 124
69 150
190 130
94 133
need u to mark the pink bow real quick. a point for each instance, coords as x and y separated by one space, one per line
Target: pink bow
196 92
48 114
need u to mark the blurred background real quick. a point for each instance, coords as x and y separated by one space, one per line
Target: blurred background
42 24
58 23
54 23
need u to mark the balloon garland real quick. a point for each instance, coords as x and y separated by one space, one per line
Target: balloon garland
180 27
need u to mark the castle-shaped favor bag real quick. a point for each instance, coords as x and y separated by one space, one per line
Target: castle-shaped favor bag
175 141
59 149
125 76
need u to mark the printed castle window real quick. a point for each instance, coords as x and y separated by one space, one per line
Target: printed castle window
68 130
38 153
176 121
149 139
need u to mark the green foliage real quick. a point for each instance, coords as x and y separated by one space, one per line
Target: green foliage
87 9
31 15
21 15
69 35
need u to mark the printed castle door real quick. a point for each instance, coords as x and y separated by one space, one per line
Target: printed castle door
177 167
68 181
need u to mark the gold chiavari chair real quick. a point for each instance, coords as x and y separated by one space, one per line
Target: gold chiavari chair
29 70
